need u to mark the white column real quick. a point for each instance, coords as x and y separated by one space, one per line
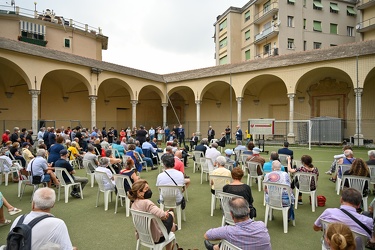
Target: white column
291 114
358 137
93 99
34 109
134 112
198 106
239 110
165 105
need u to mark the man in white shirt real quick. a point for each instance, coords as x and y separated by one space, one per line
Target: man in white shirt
213 153
49 230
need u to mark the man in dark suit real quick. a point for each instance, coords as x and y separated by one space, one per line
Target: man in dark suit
222 140
203 146
285 150
210 133
193 141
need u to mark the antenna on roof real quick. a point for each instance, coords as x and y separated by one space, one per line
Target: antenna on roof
13 3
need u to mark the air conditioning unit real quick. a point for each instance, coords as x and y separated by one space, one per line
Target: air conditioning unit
358 26
274 17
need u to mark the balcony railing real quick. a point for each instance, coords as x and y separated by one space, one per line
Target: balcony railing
366 25
271 9
363 4
48 16
271 52
271 31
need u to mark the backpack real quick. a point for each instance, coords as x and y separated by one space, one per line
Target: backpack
20 236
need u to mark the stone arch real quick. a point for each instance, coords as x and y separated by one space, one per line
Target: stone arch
149 107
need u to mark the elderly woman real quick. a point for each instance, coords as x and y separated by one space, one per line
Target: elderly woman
239 188
130 171
140 195
359 168
220 170
15 151
104 163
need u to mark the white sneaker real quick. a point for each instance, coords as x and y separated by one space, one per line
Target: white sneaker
329 172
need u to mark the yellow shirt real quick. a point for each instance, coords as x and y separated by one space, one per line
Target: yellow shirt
73 153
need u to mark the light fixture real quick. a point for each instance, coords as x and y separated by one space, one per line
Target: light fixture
9 94
301 99
65 98
96 71
106 102
256 101
218 104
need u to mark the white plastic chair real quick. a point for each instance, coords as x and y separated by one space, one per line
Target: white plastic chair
115 153
121 193
2 172
140 159
224 199
67 186
343 167
219 182
27 181
304 186
142 224
275 201
372 174
86 166
168 195
358 183
283 158
242 160
161 165
125 158
252 173
225 245
102 178
198 155
206 167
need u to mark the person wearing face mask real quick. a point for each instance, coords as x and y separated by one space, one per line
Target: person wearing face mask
63 162
140 195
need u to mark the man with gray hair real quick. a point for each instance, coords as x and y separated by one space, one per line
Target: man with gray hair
212 153
39 167
371 156
91 156
57 233
245 234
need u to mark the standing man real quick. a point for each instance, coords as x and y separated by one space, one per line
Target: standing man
210 134
181 135
238 135
227 134
141 135
41 133
57 233
245 234
151 133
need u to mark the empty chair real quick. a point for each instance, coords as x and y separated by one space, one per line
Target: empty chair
358 183
283 158
197 159
142 224
206 167
252 173
372 174
121 192
218 183
102 179
168 200
224 199
276 199
88 166
67 185
3 172
226 245
307 184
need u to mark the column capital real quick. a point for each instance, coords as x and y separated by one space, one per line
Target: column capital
34 92
93 97
198 102
239 99
134 102
164 104
358 91
291 95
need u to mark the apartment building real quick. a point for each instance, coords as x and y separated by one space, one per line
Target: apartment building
263 28
52 31
366 24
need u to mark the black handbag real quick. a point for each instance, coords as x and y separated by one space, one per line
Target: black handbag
253 212
36 179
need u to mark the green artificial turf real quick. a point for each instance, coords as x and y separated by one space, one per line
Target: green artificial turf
91 227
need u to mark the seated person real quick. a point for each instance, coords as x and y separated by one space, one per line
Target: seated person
255 157
39 167
228 154
131 171
134 156
120 149
220 170
15 151
103 167
359 168
193 141
339 236
249 150
114 162
92 157
148 160
222 140
11 210
98 146
267 167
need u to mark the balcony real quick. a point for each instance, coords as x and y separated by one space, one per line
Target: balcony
364 4
266 13
271 52
366 25
33 41
267 33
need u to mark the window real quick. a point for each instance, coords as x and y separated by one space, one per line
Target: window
317 45
32 30
290 21
290 43
247 55
333 28
350 11
267 25
223 60
267 49
304 23
333 8
304 45
247 35
67 42
317 5
223 25
317 26
223 43
266 7
350 31
247 15
291 2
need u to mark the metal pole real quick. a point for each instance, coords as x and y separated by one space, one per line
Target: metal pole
230 106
